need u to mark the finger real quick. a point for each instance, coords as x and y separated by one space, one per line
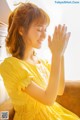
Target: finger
67 36
55 30
59 28
63 27
55 33
49 40
67 40
60 32
64 30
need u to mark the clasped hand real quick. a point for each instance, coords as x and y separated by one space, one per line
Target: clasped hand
59 40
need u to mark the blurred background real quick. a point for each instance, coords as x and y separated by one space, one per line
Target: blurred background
59 14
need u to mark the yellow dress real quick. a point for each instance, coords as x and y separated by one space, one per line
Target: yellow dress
18 74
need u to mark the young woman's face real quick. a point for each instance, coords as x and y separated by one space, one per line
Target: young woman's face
35 36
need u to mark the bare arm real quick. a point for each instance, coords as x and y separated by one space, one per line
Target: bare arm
49 95
56 46
62 78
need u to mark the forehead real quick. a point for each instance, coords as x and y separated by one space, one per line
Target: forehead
39 25
40 22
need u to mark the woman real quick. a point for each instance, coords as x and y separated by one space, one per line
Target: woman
31 84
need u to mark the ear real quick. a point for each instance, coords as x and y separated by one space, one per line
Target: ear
21 31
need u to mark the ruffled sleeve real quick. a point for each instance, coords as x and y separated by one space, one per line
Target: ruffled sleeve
24 83
15 74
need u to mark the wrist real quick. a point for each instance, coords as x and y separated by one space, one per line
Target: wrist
56 56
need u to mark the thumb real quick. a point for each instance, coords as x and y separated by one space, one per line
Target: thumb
49 40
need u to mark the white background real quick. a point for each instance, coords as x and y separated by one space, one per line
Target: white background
68 14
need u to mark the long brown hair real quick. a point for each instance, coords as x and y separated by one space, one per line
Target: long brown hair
22 16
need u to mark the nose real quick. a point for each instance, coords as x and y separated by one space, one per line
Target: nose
43 35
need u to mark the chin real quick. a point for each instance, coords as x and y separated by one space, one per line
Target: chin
38 46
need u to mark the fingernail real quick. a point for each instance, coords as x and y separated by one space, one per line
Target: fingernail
48 36
69 33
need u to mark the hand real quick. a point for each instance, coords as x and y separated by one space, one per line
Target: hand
59 41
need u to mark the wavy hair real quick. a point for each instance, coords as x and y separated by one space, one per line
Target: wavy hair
22 16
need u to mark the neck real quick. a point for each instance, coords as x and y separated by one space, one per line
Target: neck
28 54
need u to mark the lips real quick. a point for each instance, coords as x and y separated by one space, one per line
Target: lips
40 41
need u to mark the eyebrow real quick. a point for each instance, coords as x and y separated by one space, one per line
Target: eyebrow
40 26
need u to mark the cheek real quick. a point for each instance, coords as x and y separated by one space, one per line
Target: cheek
36 33
32 37
35 36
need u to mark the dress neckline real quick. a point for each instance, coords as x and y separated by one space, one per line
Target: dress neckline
26 62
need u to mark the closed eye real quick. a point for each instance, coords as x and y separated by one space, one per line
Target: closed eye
39 30
45 30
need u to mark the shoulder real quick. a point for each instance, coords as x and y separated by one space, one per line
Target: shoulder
9 62
12 64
